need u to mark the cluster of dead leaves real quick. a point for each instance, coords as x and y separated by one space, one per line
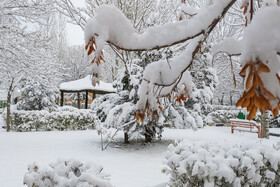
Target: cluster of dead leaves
91 47
153 114
182 96
256 96
141 114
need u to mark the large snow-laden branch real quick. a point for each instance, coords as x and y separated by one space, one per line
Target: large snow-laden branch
110 25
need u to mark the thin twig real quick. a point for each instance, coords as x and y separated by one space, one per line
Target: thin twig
119 128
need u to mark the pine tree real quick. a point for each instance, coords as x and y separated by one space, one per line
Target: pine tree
36 96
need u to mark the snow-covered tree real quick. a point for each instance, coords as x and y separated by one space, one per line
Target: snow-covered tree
36 96
204 83
259 51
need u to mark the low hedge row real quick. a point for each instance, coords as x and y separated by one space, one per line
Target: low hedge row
64 118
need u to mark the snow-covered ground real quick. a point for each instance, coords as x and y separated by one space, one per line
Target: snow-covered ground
136 164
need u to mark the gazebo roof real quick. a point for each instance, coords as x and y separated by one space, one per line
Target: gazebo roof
84 84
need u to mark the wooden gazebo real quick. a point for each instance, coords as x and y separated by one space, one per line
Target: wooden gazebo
84 85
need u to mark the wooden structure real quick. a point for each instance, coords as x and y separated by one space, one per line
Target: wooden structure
245 125
84 85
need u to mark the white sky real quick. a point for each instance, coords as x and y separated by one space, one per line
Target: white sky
75 34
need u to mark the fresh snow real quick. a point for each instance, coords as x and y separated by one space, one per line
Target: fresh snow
136 164
85 84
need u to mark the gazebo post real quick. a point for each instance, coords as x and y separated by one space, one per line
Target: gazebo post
86 104
61 98
79 102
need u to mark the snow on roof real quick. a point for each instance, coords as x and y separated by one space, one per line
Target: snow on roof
85 84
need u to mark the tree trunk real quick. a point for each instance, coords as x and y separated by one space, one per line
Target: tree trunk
9 100
149 131
126 138
265 124
148 138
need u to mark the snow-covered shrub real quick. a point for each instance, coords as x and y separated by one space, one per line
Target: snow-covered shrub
36 96
70 173
221 116
211 108
209 164
273 122
63 118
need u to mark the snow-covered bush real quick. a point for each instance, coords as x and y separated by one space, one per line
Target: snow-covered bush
64 118
36 96
70 173
274 122
221 116
211 108
208 164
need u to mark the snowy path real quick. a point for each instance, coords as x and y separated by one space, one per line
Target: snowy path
136 164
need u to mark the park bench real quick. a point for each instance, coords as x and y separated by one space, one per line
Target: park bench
245 125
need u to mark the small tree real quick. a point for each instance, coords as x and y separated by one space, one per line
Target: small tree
36 96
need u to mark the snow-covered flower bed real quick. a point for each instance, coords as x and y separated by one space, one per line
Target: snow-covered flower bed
209 164
71 173
64 118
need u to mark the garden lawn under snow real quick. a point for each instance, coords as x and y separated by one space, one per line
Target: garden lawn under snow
136 164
